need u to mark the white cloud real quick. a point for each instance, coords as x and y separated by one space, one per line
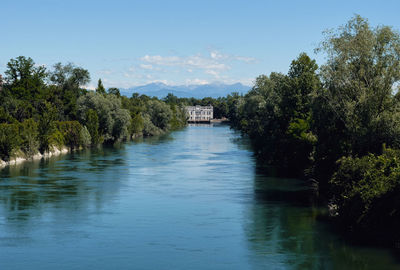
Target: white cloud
160 81
190 62
150 67
214 66
147 66
161 60
213 73
218 56
196 81
221 56
90 86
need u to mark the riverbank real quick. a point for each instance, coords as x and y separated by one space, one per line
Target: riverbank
20 159
221 120
178 200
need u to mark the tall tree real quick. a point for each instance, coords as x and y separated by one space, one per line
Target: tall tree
92 123
24 78
69 76
100 88
67 81
360 75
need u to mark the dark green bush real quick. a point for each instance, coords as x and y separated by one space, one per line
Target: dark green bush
366 190
137 125
92 123
29 133
9 140
71 131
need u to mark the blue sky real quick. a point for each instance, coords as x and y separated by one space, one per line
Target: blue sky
129 43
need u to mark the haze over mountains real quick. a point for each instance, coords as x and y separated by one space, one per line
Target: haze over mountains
161 90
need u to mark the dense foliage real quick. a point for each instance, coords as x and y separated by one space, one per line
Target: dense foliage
331 124
43 110
367 193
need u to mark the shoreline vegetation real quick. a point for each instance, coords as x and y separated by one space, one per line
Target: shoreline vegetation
44 112
337 126
16 160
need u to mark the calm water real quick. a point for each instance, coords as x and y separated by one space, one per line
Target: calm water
194 199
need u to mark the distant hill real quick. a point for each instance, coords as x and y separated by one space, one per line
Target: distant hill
161 90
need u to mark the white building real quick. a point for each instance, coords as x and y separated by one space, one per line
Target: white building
200 113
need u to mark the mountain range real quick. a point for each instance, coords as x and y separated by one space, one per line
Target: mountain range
161 90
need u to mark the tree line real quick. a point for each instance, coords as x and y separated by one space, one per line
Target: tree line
41 110
337 124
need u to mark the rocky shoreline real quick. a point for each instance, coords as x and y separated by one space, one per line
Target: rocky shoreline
19 159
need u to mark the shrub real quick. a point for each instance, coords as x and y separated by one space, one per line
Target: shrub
29 133
179 117
137 125
160 114
9 140
149 129
366 189
85 138
122 120
71 131
92 123
56 139
113 121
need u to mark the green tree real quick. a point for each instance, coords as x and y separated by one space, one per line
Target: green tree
5 116
18 109
67 81
100 88
112 118
46 127
9 140
137 125
304 83
69 76
171 99
71 132
25 80
85 138
28 131
92 124
362 70
367 194
122 120
160 113
114 91
355 112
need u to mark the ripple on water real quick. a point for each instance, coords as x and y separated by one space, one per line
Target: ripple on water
194 199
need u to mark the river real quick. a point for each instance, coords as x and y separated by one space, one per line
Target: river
192 199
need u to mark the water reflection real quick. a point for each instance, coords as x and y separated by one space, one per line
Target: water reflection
192 199
283 229
68 183
154 140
